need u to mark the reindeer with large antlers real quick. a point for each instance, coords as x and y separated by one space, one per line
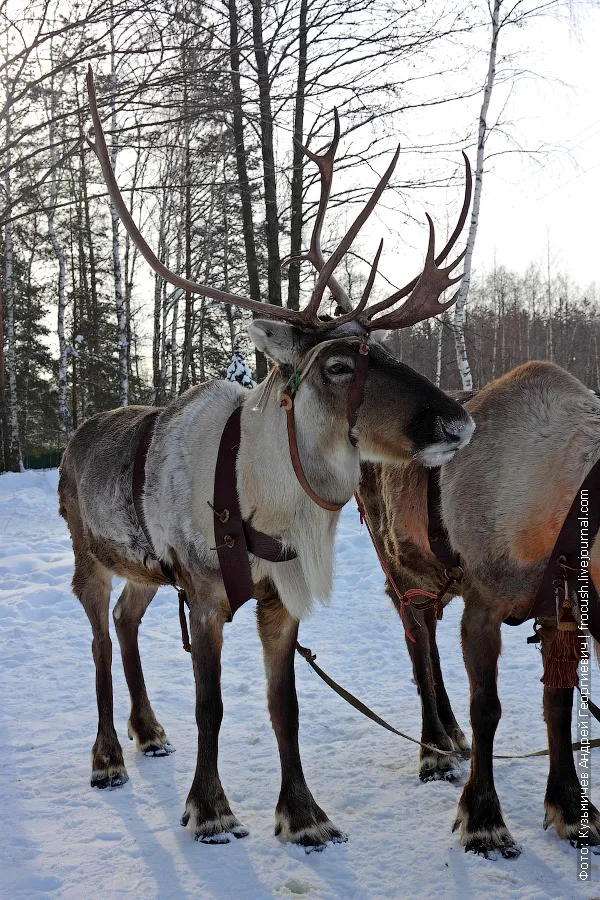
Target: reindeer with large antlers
344 399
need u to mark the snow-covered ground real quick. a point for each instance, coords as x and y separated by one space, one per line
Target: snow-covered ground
61 838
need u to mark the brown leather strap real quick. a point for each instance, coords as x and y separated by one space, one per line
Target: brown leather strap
288 403
356 393
357 390
438 536
230 541
265 546
185 635
567 549
234 538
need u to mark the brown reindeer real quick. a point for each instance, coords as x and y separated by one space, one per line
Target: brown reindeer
395 502
403 416
503 501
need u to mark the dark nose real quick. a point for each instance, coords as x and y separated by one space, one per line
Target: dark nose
453 432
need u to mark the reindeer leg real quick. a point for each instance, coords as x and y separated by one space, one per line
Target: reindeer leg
298 818
142 725
91 584
207 809
479 815
563 792
445 712
433 766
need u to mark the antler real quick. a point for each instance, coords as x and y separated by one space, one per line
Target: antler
426 289
303 317
324 162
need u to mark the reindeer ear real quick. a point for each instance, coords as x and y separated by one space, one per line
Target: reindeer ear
283 343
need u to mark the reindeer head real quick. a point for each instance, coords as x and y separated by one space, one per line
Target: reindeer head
399 414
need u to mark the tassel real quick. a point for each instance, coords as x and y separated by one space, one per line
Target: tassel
564 654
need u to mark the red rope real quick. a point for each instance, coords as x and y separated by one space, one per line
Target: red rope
405 599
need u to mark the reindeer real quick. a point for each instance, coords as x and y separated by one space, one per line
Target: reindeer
394 500
287 464
503 502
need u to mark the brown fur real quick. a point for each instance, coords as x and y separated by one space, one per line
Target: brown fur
395 501
401 413
504 499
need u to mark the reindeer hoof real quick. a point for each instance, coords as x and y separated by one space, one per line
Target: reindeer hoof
489 844
219 830
223 837
439 768
159 749
313 837
108 778
151 739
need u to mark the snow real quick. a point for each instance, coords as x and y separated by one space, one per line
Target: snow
238 369
61 838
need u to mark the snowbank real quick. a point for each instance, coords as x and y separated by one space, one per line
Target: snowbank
60 838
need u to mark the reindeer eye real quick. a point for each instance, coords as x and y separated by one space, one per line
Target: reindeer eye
340 369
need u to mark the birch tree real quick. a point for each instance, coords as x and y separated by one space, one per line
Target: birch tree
15 460
460 309
114 217
59 252
501 16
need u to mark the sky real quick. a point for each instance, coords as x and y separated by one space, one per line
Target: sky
525 205
541 185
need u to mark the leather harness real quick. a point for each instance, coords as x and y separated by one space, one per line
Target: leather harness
235 537
563 567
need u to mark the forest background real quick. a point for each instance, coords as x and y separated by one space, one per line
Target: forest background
205 104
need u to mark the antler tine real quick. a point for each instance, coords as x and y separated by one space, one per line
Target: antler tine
463 213
100 149
324 162
347 240
433 279
423 301
365 295
405 291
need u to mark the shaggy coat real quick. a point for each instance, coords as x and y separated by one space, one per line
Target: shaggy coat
402 416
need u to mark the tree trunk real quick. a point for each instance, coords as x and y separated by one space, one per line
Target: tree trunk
268 156
438 358
116 252
93 305
3 406
242 173
14 463
298 164
157 333
460 310
64 412
187 230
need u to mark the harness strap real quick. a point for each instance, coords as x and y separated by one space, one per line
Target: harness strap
565 554
355 398
436 530
235 538
287 402
231 532
407 598
310 657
